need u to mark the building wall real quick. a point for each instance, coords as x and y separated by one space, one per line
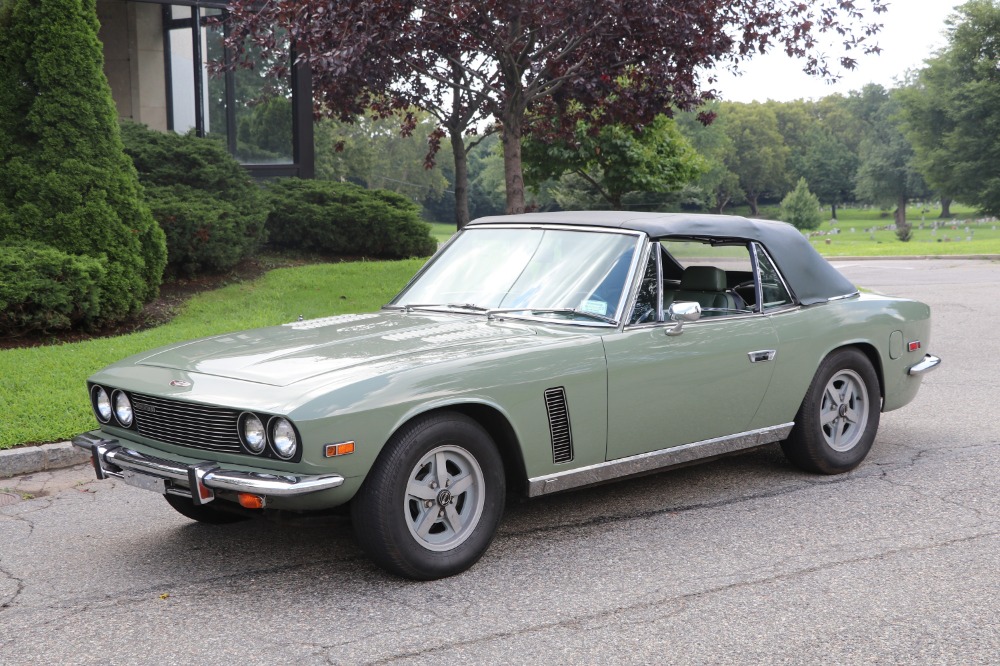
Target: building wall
132 34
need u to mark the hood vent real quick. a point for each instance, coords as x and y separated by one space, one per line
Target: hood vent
562 436
329 321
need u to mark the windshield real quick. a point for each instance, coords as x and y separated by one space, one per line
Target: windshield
575 272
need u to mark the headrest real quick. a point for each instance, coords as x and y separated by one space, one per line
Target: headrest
703 278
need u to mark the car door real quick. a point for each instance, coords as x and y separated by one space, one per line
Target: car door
703 382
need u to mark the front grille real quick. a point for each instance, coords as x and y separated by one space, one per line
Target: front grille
559 429
186 424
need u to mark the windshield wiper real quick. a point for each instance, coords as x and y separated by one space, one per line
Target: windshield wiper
409 307
468 306
567 311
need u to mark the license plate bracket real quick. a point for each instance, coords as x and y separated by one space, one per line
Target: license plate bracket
144 481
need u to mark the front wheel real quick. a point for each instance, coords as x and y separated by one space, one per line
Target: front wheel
433 500
838 419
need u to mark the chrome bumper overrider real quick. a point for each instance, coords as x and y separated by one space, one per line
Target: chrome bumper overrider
111 459
929 363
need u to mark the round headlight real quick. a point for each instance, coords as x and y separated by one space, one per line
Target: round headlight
102 403
283 438
252 432
123 408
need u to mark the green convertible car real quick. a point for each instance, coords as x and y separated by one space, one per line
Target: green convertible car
532 354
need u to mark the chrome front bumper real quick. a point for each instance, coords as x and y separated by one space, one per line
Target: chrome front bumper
200 481
929 363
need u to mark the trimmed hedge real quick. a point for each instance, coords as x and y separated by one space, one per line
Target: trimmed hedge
345 219
65 181
45 289
211 210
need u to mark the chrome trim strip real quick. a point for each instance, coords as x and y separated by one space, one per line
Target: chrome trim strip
109 458
636 286
655 460
844 297
929 363
774 265
555 227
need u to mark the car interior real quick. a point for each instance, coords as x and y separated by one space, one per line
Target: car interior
715 274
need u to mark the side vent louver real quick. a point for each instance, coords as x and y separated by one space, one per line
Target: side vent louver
562 436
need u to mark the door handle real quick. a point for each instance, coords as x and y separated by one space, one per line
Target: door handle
762 355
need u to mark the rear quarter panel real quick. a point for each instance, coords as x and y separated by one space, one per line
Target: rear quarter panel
806 335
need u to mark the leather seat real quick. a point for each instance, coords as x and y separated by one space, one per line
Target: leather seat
705 285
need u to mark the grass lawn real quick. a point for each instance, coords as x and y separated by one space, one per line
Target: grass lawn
864 233
43 396
442 232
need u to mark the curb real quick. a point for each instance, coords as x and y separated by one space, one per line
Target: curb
32 459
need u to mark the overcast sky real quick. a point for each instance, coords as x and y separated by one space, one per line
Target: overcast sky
911 30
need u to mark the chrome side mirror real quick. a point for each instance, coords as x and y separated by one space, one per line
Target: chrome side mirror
681 312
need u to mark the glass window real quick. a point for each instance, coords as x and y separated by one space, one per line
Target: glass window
775 295
647 301
182 78
718 275
251 112
262 114
533 270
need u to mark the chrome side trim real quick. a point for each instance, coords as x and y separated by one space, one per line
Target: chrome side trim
777 271
655 460
110 458
929 363
853 294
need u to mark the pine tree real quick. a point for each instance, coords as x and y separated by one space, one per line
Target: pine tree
800 207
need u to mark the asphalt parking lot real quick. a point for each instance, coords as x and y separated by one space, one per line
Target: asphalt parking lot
742 560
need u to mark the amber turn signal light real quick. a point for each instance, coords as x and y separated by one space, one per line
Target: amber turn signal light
250 501
341 449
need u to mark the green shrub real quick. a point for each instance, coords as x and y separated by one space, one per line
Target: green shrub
345 219
65 181
800 207
45 289
212 211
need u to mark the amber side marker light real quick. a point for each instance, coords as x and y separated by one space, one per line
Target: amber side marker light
250 501
341 449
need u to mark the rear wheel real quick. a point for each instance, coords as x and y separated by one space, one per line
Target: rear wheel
838 419
203 513
433 500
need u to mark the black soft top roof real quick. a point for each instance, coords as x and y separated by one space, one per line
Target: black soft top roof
808 274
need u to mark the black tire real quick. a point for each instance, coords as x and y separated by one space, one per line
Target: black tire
203 513
824 443
405 516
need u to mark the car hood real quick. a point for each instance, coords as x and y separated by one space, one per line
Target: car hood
283 355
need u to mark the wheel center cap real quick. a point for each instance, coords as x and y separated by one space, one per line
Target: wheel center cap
445 498
843 410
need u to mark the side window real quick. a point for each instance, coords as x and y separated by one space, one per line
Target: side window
645 303
773 289
715 273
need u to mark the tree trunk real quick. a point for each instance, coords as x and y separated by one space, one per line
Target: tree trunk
754 210
903 231
513 176
720 204
461 180
833 211
945 207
